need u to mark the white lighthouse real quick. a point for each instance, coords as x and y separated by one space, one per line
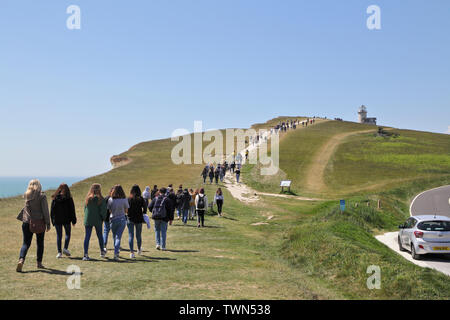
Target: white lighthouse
362 113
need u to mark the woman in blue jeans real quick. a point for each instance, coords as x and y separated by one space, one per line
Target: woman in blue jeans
107 226
162 213
136 213
118 205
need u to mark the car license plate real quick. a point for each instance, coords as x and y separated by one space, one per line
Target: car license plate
441 248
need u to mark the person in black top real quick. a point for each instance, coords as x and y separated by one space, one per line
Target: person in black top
232 166
185 205
217 173
135 218
179 201
204 174
153 192
211 175
62 215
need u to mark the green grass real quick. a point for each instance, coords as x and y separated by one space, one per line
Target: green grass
367 159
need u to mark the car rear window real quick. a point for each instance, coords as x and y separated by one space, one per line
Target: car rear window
434 226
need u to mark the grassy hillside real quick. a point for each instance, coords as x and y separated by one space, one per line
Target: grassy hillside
351 158
276 248
370 160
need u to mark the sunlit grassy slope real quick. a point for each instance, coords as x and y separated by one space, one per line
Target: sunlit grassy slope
362 161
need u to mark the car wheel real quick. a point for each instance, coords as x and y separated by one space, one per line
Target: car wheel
414 255
400 247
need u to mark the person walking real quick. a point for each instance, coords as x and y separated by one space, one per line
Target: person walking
35 218
201 205
146 195
185 205
222 173
162 214
118 204
218 199
107 224
232 166
135 219
62 215
211 175
204 174
217 173
238 174
94 215
153 193
179 201
192 204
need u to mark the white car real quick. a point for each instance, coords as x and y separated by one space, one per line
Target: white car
425 234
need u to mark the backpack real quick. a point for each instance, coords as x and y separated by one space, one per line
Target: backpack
201 202
159 210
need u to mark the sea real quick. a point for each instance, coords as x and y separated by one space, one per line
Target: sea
14 186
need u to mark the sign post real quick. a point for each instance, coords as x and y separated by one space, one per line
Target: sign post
285 183
342 203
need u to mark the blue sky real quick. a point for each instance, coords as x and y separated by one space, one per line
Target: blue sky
137 70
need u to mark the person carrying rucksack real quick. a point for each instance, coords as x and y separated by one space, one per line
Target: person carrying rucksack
201 205
162 214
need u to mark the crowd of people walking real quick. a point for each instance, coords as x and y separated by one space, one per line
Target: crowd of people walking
116 211
110 214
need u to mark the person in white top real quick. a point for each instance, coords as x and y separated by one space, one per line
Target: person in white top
218 200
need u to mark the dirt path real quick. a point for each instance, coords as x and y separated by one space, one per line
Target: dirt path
244 193
315 181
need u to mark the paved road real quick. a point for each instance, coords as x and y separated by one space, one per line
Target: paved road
434 201
436 262
428 202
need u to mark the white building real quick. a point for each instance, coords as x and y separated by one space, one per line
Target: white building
363 116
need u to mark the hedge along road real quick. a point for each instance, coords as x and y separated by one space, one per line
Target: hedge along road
426 203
